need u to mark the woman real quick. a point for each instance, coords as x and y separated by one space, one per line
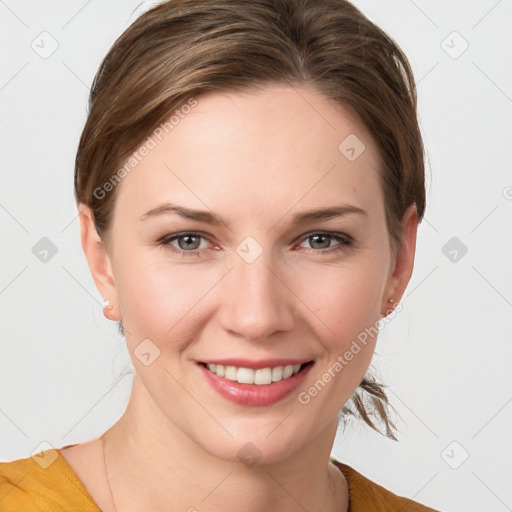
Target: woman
249 182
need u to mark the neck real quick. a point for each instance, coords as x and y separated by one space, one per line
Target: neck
153 465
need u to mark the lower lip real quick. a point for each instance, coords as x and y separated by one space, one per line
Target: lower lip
252 394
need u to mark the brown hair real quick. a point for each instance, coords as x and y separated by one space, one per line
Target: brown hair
183 48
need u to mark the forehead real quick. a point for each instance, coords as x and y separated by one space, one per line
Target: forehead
272 147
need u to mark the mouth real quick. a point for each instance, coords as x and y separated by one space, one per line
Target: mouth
255 383
259 377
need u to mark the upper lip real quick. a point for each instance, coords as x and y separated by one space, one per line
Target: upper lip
256 364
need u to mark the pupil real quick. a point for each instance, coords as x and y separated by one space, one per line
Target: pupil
316 238
188 242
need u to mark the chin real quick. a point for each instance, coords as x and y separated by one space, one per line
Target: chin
261 441
256 452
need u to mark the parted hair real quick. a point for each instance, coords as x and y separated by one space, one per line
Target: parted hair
180 49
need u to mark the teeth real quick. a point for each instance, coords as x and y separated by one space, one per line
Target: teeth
230 372
288 371
245 376
261 377
277 373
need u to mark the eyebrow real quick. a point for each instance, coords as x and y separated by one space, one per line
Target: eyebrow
318 214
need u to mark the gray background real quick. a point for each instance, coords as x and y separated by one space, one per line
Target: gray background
65 375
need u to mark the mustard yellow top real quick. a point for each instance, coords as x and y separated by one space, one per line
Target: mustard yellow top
47 483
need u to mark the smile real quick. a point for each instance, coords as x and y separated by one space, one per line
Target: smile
267 383
261 377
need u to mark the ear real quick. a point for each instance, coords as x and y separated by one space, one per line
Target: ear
403 262
98 260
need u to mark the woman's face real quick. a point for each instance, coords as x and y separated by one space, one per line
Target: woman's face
243 278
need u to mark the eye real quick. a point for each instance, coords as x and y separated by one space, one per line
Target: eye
185 242
326 242
192 244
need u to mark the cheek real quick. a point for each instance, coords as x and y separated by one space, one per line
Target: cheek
158 299
346 300
347 303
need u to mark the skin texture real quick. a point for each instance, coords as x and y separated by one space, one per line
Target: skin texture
254 160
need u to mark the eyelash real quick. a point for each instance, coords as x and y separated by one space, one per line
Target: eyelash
344 242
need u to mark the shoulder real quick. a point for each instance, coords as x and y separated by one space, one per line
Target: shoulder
42 483
367 496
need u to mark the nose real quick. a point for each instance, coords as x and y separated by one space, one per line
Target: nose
257 301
